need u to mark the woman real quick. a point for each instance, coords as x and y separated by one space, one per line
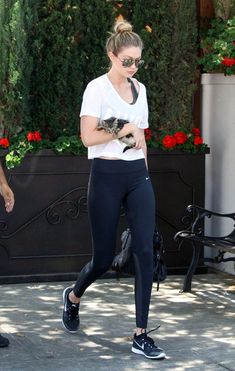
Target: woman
118 178
8 197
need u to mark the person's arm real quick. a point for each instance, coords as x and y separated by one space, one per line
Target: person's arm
6 191
91 136
144 125
144 148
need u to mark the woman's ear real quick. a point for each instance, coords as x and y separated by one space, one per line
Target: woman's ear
111 56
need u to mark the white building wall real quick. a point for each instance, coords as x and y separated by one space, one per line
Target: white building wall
218 130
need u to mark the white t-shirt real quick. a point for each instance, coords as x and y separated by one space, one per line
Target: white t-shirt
101 100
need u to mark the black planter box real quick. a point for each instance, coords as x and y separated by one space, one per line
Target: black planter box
179 180
47 236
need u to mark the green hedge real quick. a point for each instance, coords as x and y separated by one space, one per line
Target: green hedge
51 48
15 65
171 58
67 44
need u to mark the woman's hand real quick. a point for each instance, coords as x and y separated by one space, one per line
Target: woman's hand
8 196
139 137
137 133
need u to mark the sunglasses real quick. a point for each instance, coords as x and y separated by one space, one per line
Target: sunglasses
128 62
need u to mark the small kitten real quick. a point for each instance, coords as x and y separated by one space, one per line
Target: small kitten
113 126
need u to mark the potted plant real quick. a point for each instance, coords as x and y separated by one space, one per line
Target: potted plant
218 47
32 142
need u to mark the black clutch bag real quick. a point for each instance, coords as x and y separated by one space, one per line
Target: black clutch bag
124 262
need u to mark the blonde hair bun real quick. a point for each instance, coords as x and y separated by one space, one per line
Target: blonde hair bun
123 37
122 26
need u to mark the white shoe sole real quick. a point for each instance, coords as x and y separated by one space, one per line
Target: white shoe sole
138 351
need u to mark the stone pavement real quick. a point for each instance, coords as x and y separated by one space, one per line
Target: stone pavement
197 329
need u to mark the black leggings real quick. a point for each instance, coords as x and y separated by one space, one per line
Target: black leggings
114 183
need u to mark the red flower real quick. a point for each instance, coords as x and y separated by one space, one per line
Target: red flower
198 140
196 131
169 141
37 136
30 136
4 142
228 62
34 136
180 137
148 134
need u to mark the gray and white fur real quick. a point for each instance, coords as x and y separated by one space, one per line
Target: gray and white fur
113 126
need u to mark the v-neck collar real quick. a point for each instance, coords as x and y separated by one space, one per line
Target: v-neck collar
119 96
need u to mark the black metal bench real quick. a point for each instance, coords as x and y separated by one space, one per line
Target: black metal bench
195 234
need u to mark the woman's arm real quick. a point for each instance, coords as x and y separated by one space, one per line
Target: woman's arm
91 136
144 148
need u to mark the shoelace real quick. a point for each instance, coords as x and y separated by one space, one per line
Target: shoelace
73 311
154 329
149 341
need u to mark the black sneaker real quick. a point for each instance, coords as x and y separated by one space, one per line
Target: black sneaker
144 345
70 317
4 342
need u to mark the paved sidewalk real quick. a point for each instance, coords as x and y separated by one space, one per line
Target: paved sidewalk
197 329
